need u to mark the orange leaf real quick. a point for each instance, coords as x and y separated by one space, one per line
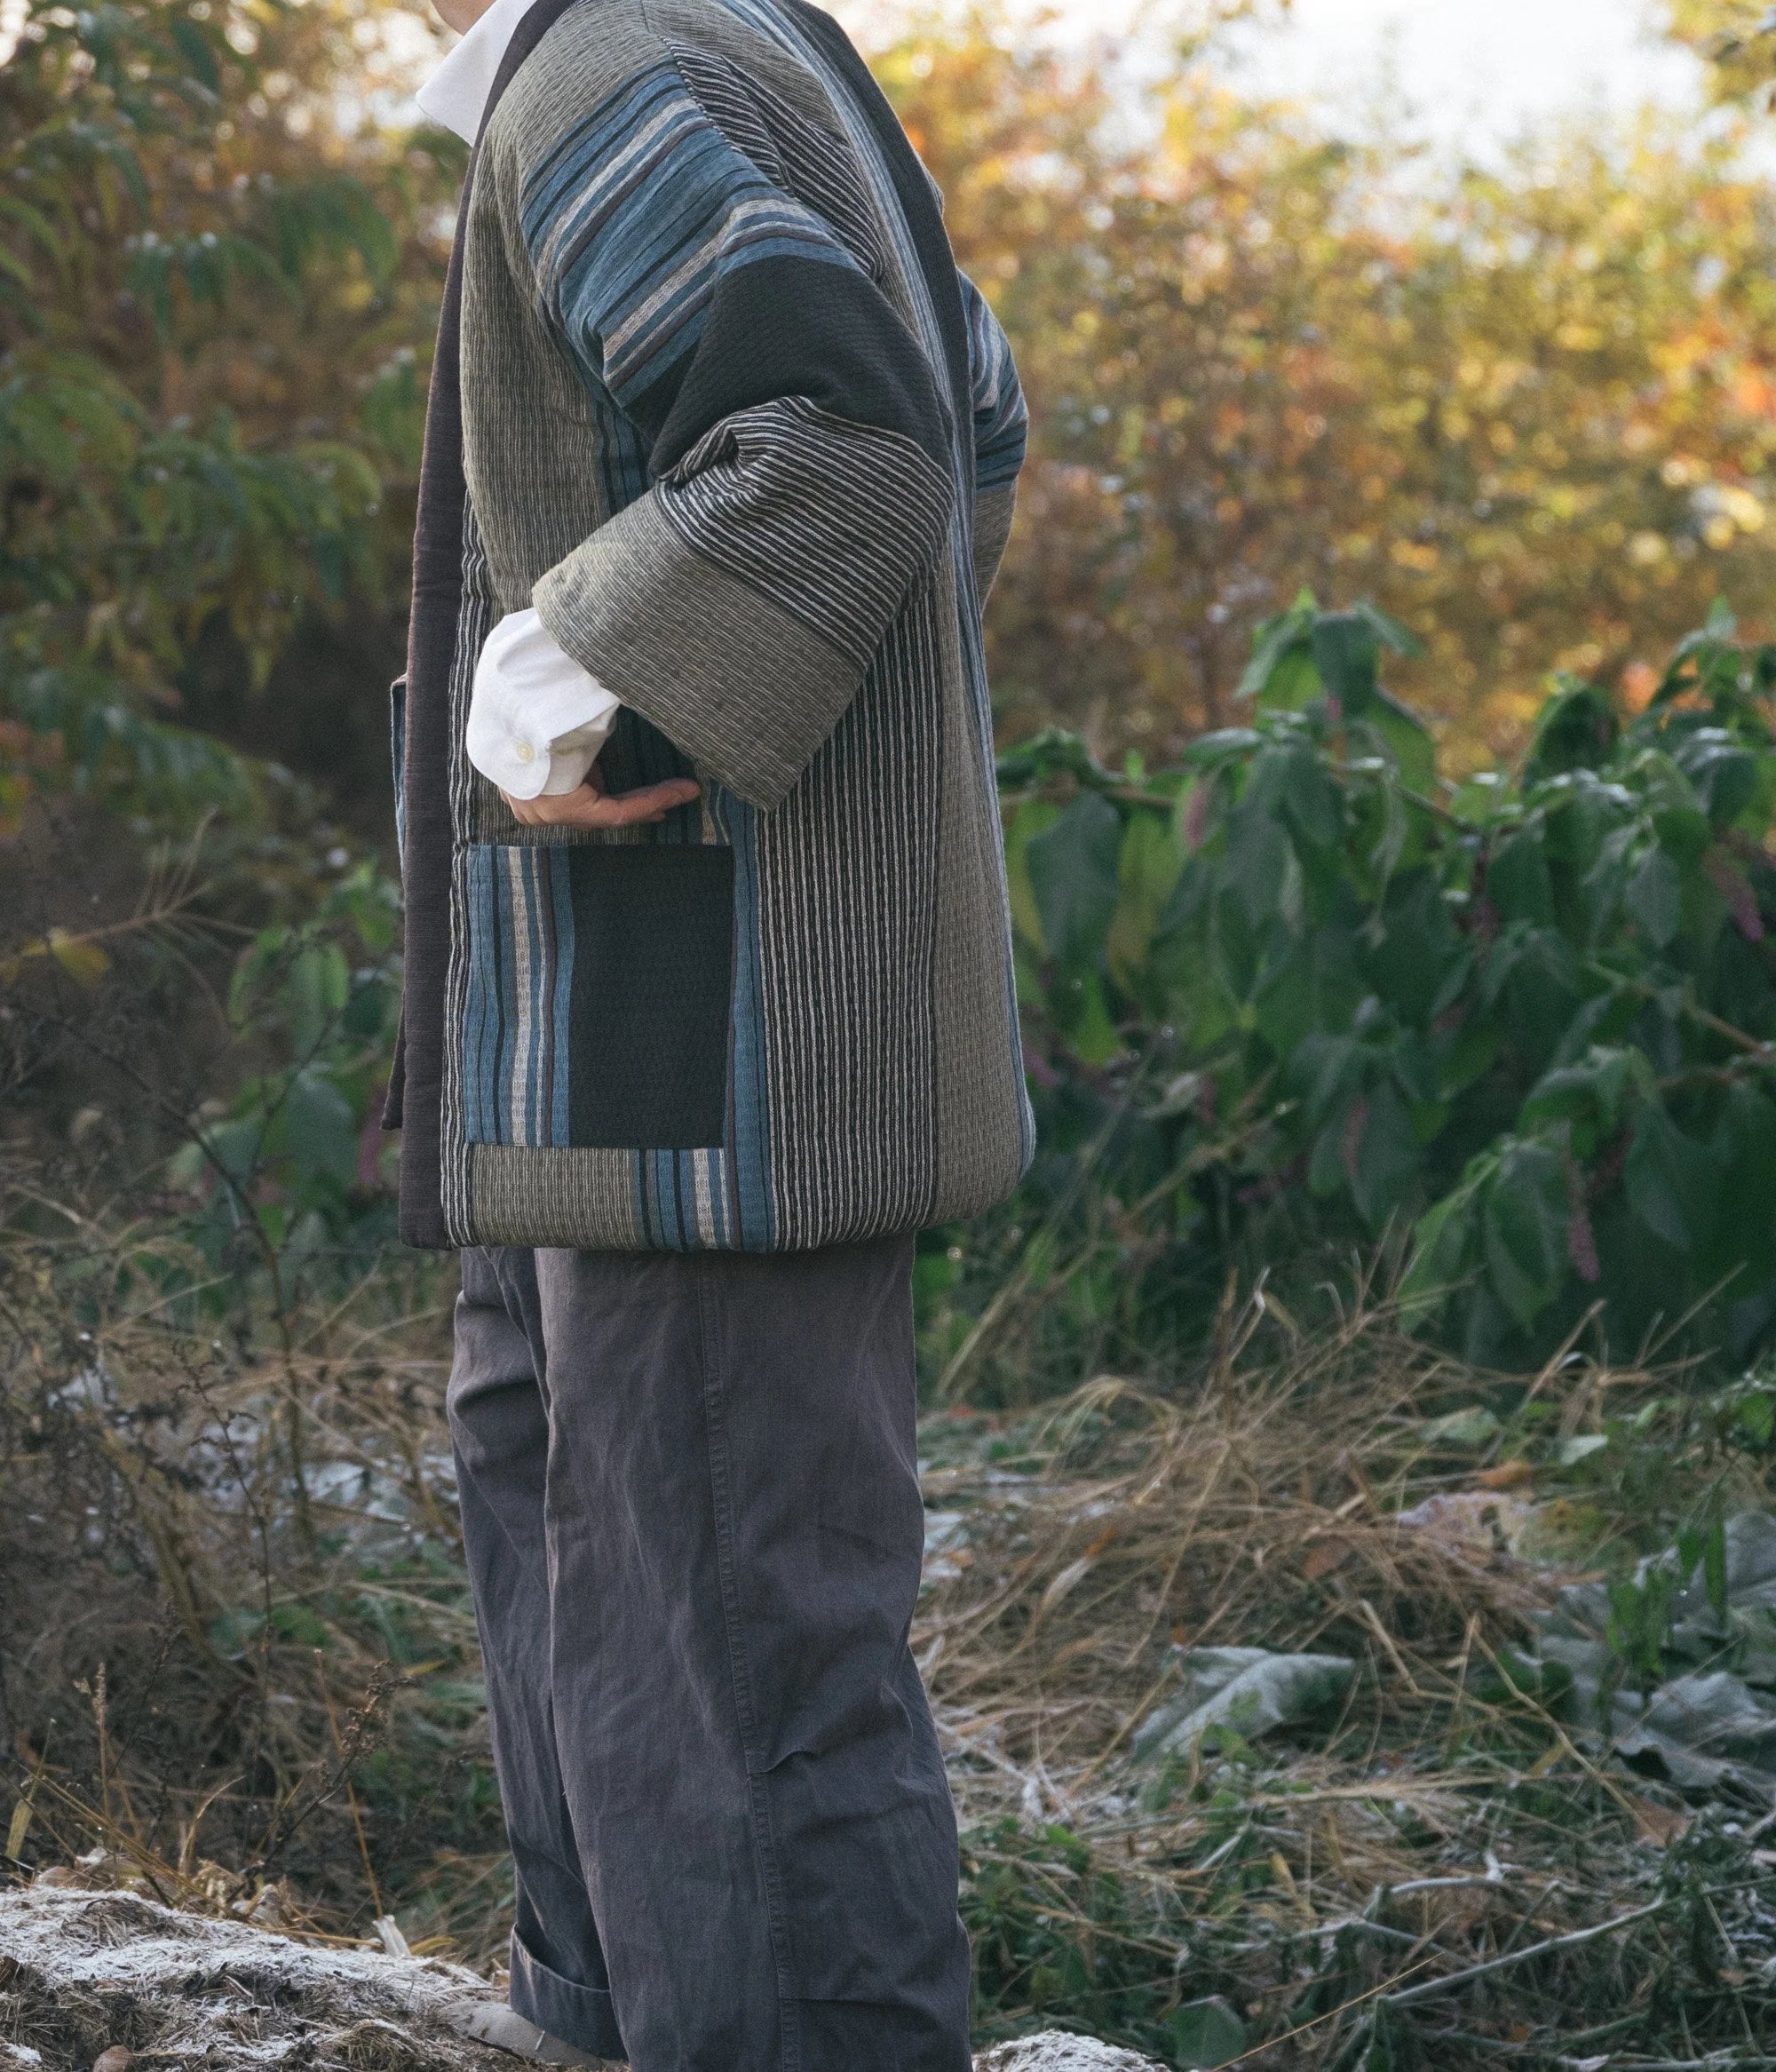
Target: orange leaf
1508 1475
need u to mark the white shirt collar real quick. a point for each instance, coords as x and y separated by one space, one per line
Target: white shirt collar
455 95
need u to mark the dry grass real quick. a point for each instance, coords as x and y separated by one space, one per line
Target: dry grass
241 1670
235 1622
1263 1512
1328 1880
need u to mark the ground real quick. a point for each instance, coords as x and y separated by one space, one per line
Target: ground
86 1977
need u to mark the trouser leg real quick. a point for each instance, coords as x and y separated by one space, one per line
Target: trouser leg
752 1776
499 1420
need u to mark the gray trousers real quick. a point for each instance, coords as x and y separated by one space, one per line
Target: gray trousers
690 1509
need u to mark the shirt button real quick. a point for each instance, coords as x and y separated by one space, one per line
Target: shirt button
525 753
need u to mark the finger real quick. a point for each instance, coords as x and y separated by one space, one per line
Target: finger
589 806
628 809
556 809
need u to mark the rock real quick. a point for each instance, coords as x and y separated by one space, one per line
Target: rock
78 1969
1052 2051
99 1978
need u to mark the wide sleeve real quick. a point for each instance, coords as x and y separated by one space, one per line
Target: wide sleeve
799 469
1001 427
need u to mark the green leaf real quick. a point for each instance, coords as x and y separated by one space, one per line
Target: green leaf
1517 879
1074 866
1655 897
1442 1241
296 1622
1387 1157
1346 653
232 1634
1578 730
1589 1095
1226 745
1206 2034
1421 950
1292 683
1148 869
1672 1182
1389 631
1753 1418
319 1129
1055 751
1472 1053
1032 818
1407 740
1524 1229
1694 652
1311 800
1254 1690
1679 821
315 994
1467 1430
1574 1451
1078 1004
1602 885
1715 1565
1259 854
1544 992
1725 777
1277 640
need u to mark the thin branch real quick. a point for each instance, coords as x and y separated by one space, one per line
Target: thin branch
1431 1987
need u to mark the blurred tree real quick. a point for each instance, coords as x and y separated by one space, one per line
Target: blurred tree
217 270
1532 411
1736 37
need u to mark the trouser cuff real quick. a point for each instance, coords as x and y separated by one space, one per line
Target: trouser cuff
580 2015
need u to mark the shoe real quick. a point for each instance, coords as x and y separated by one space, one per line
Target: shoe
494 2023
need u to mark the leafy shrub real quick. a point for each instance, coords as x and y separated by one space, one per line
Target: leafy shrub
291 1167
211 282
1295 992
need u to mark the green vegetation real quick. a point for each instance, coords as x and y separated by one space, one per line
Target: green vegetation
1295 997
211 294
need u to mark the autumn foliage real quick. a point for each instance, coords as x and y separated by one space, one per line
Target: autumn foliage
1532 412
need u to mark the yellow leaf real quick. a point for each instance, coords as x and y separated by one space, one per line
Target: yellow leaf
83 960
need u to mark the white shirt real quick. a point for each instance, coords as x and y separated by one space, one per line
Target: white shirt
536 719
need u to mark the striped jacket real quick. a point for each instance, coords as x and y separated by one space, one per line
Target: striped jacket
712 396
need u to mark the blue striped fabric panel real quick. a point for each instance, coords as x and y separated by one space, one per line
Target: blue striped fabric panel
627 281
515 1038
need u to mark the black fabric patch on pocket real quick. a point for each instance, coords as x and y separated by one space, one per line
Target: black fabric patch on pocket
653 977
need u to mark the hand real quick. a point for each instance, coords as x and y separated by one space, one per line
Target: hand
592 806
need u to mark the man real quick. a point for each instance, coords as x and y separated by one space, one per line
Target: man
709 1004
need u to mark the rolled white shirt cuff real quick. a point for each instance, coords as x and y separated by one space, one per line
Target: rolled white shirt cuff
536 719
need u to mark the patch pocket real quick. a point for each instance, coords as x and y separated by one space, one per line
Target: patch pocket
599 980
